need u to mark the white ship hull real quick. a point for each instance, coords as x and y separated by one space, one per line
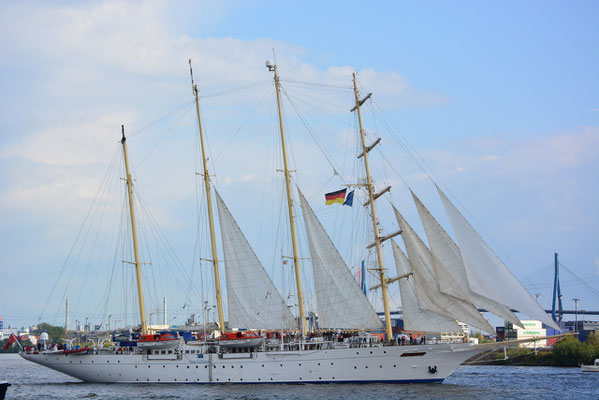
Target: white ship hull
397 364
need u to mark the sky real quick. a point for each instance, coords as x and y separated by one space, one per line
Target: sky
500 100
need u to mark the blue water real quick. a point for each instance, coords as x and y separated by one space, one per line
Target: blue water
31 381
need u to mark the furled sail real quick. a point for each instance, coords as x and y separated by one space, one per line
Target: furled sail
253 300
414 317
487 274
427 284
450 269
341 303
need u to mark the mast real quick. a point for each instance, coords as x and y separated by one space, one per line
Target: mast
140 295
219 301
372 196
300 294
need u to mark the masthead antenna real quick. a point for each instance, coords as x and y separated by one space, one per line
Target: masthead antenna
193 86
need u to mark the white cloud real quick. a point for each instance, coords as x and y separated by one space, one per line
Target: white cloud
71 144
490 157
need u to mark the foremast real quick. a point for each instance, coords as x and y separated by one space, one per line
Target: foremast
219 301
372 196
140 295
300 295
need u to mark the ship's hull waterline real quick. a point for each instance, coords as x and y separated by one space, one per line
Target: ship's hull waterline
395 364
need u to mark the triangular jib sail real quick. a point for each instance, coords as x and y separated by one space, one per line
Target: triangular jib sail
253 300
427 284
487 274
416 318
453 278
341 303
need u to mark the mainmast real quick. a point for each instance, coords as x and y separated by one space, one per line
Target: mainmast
300 295
219 301
140 295
372 196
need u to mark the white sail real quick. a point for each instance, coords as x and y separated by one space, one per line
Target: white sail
487 274
427 283
253 300
341 303
414 317
450 269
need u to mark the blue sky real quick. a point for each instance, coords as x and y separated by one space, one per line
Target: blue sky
501 99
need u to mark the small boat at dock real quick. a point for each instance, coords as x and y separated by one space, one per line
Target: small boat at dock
591 368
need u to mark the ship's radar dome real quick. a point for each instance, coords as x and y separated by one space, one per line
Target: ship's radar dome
269 64
44 336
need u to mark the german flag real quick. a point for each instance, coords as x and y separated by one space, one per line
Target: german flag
335 197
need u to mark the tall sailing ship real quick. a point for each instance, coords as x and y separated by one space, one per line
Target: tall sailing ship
439 284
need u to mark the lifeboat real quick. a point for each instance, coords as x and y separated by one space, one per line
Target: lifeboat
159 341
240 339
79 351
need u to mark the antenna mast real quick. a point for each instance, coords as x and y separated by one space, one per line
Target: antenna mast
140 294
219 301
300 295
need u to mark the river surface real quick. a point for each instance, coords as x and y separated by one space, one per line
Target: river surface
31 381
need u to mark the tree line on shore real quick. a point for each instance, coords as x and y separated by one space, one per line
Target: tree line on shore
568 352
